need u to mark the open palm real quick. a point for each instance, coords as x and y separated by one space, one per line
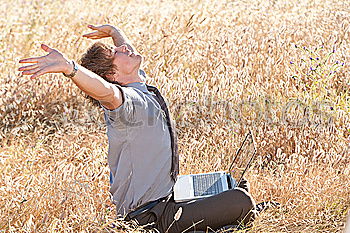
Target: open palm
54 62
102 31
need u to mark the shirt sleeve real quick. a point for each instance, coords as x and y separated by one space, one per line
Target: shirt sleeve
129 113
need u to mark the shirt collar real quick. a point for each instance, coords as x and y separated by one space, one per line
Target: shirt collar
139 85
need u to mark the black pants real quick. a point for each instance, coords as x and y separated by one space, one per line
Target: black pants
232 207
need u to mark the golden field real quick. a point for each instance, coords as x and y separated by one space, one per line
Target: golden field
279 68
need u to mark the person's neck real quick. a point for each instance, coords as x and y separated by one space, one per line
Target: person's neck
131 79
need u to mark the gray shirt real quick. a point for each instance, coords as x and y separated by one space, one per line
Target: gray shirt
139 154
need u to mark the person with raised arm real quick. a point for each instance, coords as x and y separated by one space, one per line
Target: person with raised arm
142 153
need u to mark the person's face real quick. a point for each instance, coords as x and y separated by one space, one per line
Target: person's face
126 61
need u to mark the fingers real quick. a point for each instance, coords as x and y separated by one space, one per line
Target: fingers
90 34
31 60
43 65
40 72
95 37
32 71
37 59
93 27
24 68
46 48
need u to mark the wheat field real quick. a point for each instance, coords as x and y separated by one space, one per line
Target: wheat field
279 68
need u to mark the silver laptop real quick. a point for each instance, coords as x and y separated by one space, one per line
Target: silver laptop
195 186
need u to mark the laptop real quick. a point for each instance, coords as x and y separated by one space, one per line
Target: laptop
196 186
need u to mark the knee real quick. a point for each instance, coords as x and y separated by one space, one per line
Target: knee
247 199
247 205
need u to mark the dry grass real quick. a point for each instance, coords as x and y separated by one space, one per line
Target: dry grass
224 67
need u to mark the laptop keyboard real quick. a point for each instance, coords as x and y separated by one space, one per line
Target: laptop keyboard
207 184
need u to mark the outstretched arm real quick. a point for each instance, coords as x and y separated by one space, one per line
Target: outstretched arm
90 83
107 30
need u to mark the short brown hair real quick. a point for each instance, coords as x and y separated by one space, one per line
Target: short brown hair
99 59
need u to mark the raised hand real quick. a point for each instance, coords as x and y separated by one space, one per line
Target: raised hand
54 62
107 30
102 31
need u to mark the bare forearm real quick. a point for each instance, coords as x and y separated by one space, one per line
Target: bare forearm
95 86
119 39
55 62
